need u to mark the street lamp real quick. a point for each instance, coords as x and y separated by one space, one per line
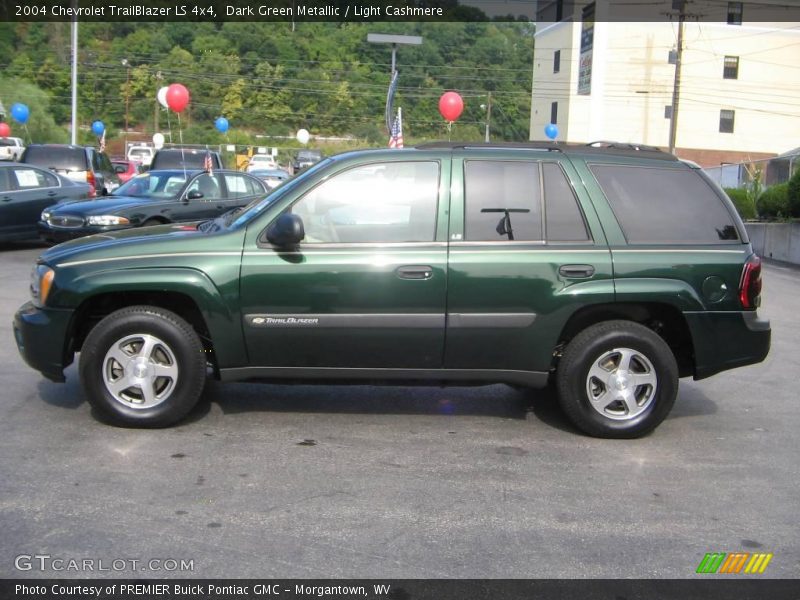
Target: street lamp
394 40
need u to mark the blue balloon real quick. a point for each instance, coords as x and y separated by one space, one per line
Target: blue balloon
221 124
20 113
551 131
98 128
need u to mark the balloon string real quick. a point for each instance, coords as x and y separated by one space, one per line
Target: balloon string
180 134
28 133
169 126
449 129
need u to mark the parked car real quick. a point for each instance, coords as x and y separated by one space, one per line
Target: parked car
83 164
260 162
152 198
126 169
185 158
142 154
608 271
305 159
11 148
26 190
271 177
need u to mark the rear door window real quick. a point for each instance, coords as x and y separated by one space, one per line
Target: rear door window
503 201
665 206
563 217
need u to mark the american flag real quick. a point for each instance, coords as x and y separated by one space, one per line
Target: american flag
208 163
396 138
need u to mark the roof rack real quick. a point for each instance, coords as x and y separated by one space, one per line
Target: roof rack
624 146
599 148
550 146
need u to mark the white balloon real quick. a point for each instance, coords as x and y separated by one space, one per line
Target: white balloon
303 136
162 96
158 140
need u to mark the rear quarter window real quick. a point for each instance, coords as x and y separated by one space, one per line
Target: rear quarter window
665 206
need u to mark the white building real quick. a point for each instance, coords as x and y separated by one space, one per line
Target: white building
739 94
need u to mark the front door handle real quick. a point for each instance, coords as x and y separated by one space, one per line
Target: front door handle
576 271
414 272
7 198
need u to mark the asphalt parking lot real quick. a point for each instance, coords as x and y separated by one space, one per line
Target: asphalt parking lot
385 482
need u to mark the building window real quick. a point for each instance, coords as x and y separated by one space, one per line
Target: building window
668 111
726 121
554 113
731 68
734 13
556 61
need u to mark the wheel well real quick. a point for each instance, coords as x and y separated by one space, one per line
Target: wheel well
96 308
664 319
161 220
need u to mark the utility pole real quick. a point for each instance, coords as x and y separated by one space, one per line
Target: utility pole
488 107
159 77
127 66
676 85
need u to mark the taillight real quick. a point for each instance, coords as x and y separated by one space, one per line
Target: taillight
750 286
91 181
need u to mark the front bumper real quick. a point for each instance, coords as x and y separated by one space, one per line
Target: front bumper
58 235
727 340
42 339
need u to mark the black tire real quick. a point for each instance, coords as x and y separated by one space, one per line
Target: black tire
617 420
179 348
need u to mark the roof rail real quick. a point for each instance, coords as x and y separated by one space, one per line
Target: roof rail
624 146
548 146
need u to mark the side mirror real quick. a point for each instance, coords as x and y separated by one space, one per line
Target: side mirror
287 230
194 195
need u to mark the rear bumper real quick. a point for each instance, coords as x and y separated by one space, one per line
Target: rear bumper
727 340
41 336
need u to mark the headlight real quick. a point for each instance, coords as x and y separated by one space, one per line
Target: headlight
45 216
107 220
41 283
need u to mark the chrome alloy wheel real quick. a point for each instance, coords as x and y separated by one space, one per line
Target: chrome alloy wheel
140 371
621 384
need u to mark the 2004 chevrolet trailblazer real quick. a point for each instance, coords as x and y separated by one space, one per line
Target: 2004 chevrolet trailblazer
611 271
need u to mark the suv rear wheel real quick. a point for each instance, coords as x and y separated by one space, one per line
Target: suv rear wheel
143 366
617 379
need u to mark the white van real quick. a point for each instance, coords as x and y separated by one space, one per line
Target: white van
143 154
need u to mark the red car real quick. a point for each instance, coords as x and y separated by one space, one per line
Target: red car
126 168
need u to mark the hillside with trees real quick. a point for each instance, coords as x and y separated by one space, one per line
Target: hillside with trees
270 78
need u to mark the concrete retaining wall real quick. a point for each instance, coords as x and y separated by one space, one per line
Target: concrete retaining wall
779 241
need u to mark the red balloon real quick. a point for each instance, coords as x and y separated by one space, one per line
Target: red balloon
450 106
5 130
177 97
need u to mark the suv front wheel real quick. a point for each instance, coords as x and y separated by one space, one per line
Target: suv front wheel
143 366
617 379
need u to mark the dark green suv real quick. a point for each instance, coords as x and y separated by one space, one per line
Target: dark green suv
609 271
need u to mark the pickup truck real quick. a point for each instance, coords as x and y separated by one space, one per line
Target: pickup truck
11 148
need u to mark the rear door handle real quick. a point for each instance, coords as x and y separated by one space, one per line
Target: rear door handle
7 198
414 272
51 194
576 271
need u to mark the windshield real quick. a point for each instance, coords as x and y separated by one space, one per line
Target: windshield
154 184
258 205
